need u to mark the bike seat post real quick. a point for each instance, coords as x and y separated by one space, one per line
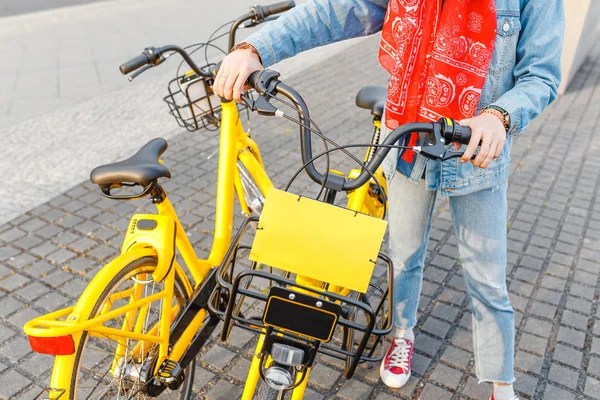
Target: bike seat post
375 138
158 195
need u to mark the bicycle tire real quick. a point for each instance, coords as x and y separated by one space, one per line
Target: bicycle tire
142 266
266 392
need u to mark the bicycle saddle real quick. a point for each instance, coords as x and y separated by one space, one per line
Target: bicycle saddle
372 98
142 168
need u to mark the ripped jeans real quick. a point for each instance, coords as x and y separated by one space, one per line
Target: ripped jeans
480 225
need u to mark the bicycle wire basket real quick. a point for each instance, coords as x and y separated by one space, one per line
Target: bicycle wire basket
192 101
268 300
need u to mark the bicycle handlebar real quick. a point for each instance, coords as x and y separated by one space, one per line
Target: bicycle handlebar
443 132
134 63
277 8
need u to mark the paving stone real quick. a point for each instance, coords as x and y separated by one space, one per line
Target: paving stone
528 362
592 388
564 376
539 327
218 357
436 327
8 251
543 310
15 349
525 384
548 296
324 377
224 390
354 389
427 344
571 336
567 355
431 392
554 392
581 305
477 391
446 376
14 282
240 369
32 291
444 311
457 357
12 382
201 377
533 343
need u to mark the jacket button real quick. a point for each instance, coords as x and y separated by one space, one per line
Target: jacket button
506 27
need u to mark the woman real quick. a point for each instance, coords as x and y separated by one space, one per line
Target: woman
492 64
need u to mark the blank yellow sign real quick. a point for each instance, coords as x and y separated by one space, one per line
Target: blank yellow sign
318 240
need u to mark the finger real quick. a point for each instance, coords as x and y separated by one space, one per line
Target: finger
472 146
499 148
228 87
456 146
490 156
220 83
238 87
484 150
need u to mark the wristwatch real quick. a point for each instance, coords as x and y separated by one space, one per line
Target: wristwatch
499 112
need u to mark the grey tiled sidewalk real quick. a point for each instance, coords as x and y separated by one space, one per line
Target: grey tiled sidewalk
49 254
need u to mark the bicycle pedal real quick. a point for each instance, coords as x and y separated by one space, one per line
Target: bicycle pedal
169 371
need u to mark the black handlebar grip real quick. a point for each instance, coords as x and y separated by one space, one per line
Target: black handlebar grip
278 8
465 134
253 79
134 64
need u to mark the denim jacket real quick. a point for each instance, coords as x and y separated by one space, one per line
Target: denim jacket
523 76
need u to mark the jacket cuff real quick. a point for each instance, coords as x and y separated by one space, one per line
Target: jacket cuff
264 48
516 127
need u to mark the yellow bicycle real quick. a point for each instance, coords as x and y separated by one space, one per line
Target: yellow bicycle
317 259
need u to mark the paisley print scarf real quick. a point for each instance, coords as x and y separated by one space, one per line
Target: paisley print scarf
438 58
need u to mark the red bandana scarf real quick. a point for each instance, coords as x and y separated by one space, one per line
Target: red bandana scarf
437 57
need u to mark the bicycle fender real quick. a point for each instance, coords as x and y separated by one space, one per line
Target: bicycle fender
157 232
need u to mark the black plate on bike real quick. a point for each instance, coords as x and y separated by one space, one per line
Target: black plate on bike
301 314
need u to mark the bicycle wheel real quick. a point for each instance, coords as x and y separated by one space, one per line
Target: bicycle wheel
117 368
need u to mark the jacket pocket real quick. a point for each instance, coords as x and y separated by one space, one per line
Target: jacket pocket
505 47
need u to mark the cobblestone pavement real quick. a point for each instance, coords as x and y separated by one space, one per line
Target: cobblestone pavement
50 253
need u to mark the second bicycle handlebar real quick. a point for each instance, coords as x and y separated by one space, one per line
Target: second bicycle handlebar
444 131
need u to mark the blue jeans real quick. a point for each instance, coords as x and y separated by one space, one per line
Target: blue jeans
480 220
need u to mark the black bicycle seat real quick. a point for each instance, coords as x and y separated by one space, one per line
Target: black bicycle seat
142 168
372 98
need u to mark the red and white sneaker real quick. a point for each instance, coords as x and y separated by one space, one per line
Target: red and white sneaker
395 367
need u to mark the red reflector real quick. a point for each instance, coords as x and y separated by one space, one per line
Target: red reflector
56 346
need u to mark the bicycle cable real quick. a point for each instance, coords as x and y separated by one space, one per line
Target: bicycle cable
325 138
319 133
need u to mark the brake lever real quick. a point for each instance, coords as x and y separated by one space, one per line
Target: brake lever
436 150
261 104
